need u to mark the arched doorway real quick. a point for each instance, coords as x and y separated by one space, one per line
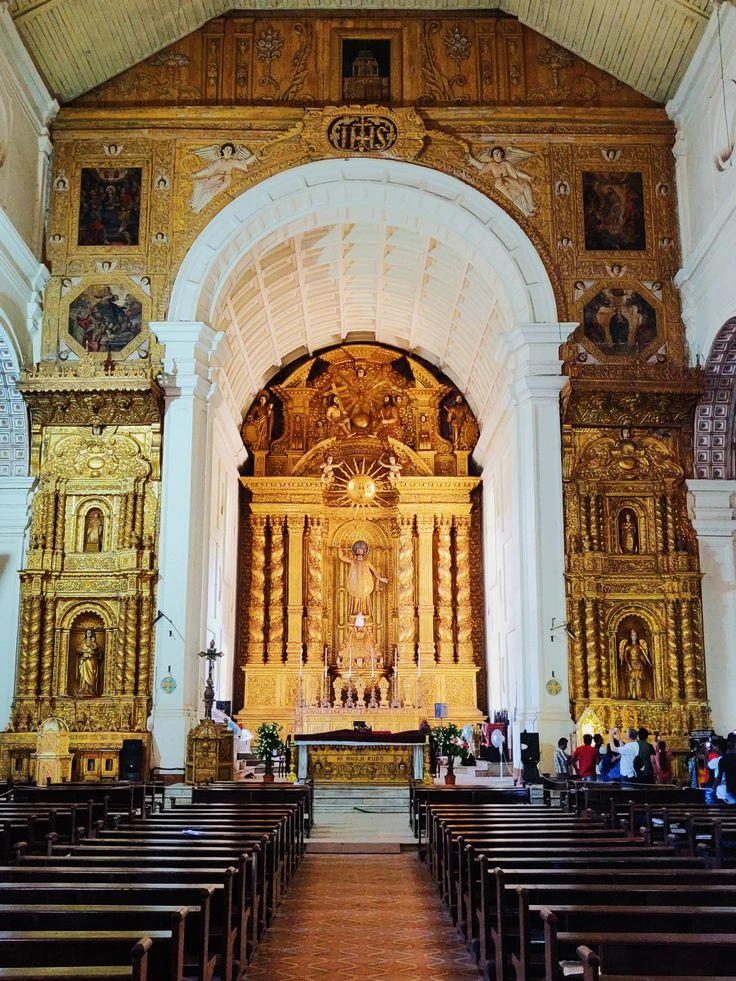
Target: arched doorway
368 250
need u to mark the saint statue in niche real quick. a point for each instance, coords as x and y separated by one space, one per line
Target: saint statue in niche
89 657
628 532
362 578
457 415
634 657
258 427
93 527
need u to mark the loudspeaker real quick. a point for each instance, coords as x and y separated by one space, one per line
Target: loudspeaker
529 747
131 759
224 706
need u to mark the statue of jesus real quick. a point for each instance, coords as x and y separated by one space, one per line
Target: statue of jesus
362 577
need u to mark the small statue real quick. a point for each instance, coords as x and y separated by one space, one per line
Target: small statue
457 414
328 471
628 534
383 690
633 653
93 525
337 417
88 668
393 467
259 421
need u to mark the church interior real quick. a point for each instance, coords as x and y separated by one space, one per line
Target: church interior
363 365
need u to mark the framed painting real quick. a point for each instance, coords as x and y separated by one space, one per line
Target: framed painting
109 206
619 321
613 211
104 318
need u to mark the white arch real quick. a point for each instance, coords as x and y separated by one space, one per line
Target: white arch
494 275
496 335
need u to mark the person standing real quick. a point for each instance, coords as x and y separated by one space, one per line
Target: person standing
727 770
627 752
645 768
584 758
562 759
662 762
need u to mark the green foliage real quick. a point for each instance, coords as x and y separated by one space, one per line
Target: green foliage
269 743
450 743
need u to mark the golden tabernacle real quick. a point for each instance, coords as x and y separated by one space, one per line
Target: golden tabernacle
363 532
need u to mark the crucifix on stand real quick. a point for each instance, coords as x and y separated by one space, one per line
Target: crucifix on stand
209 689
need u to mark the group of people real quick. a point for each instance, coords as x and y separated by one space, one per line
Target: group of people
626 756
711 765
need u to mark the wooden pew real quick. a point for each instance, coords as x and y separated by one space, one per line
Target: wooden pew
529 962
592 971
686 954
75 948
137 970
423 794
114 887
258 793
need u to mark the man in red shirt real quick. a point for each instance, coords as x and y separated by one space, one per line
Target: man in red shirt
583 759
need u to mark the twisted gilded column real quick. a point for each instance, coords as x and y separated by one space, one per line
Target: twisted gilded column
578 679
425 570
315 584
130 646
669 524
143 680
595 525
698 653
591 648
118 680
688 653
47 648
464 612
603 655
674 688
445 645
276 590
32 613
405 529
256 610
295 596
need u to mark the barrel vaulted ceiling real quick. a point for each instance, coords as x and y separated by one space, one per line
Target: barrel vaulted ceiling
78 44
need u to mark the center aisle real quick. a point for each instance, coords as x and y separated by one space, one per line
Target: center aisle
362 916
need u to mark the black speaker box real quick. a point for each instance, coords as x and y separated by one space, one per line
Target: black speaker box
529 747
131 759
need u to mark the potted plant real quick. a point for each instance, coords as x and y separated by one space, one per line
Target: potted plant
269 744
450 743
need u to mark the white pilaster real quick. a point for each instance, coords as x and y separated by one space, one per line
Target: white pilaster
537 487
15 501
712 506
185 512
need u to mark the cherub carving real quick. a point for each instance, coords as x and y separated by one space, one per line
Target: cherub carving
515 184
217 176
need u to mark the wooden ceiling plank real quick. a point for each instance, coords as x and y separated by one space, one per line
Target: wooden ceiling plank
650 72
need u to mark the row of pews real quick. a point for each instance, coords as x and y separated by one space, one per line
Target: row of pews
621 888
145 893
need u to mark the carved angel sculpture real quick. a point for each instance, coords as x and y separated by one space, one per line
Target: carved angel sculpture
633 653
217 176
500 164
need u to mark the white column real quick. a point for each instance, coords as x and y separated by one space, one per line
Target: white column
712 505
15 511
537 488
185 512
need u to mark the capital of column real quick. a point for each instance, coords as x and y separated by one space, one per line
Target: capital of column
712 507
535 359
187 358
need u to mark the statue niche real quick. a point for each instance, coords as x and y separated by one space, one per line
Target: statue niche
86 657
94 525
634 661
628 532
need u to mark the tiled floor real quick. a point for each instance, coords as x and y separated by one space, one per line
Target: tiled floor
362 918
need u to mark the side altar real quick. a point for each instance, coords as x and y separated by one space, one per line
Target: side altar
355 756
360 548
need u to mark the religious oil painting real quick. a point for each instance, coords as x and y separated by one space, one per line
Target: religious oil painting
620 321
109 206
105 318
613 211
366 70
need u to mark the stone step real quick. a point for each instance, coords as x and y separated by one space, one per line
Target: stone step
361 798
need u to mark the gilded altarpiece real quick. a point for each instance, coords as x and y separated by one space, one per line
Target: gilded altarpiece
362 547
632 570
88 587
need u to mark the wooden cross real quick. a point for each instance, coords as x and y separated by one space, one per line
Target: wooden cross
209 689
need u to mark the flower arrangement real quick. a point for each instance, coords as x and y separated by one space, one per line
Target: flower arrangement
269 744
450 743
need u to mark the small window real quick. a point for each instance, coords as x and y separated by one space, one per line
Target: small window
90 765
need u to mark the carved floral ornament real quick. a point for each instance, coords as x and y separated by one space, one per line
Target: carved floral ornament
628 458
92 456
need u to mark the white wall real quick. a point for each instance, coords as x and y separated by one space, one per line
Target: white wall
706 183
